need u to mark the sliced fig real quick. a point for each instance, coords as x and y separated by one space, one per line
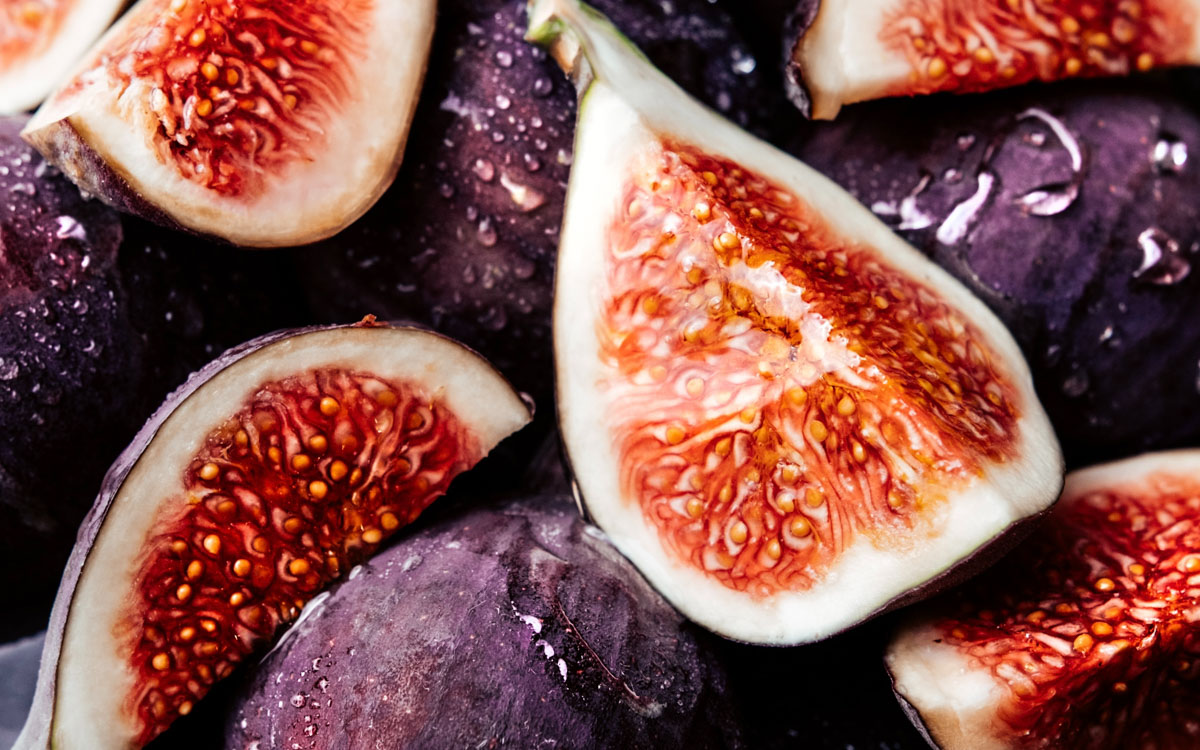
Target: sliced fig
785 416
264 124
846 52
39 42
464 241
1074 213
268 475
514 626
1085 636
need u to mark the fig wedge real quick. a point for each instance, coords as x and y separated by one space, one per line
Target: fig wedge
263 124
1084 637
846 52
264 478
785 416
39 42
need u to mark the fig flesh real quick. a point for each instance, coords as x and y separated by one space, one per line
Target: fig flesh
1084 637
261 124
785 416
516 626
40 40
846 52
1072 212
265 477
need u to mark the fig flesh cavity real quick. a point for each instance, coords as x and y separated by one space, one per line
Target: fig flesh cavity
516 626
264 124
1072 213
786 417
1084 637
40 40
266 476
846 52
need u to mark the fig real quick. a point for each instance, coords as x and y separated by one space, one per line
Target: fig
1073 214
1083 637
270 473
784 415
514 624
19 663
264 124
846 52
40 40
464 241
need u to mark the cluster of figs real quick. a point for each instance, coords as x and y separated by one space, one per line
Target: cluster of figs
789 375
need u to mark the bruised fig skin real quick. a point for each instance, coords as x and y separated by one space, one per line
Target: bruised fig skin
1073 213
265 477
464 240
263 125
787 418
847 52
39 42
517 625
1084 636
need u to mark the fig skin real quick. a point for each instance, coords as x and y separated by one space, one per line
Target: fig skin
100 316
449 245
1114 354
453 638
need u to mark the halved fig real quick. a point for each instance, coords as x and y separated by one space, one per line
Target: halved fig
1085 636
851 51
262 123
39 42
515 625
785 416
266 476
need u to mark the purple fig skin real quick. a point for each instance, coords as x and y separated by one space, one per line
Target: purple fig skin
100 316
1113 349
517 626
465 239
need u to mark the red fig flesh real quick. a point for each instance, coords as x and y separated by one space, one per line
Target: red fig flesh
40 40
786 417
853 51
1085 636
261 123
266 477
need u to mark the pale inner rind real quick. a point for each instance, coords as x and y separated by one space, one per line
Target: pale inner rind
94 678
621 114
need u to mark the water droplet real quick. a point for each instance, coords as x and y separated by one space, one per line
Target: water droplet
1035 138
1075 385
1169 154
8 369
952 175
494 319
503 102
1106 334
965 141
532 163
23 188
1162 262
486 233
526 198
298 700
80 306
504 59
743 63
542 87
956 225
321 684
446 190
70 228
484 169
310 730
497 136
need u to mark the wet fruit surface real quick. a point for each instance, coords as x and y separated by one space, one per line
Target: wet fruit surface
304 482
1094 636
239 88
779 392
25 26
982 44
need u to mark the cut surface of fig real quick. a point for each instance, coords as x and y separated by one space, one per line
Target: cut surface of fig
264 124
786 417
1084 637
40 40
266 477
847 52
511 625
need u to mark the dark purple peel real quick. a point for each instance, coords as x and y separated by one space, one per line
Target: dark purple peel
1057 252
465 239
517 626
89 344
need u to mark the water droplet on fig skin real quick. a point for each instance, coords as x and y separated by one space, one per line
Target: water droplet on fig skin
1169 154
1075 385
298 700
1163 263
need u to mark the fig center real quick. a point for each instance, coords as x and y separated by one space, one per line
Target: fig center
778 392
